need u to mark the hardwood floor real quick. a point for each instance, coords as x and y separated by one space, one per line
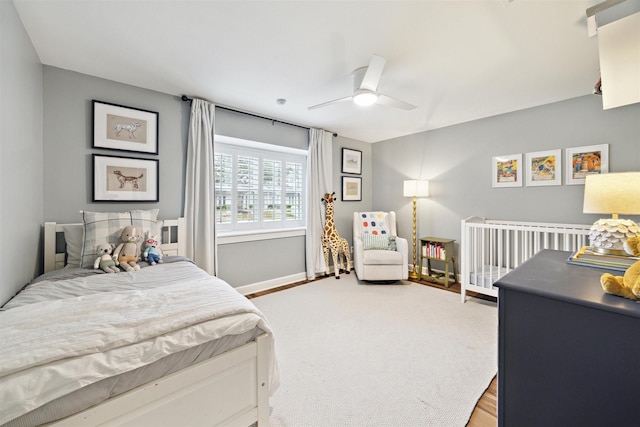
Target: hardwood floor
485 414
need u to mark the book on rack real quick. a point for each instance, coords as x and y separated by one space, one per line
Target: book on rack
588 257
434 250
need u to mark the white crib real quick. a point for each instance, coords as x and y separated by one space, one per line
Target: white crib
489 249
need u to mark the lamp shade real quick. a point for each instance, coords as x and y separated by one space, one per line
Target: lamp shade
612 193
416 188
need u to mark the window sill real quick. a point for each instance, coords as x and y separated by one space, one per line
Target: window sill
225 238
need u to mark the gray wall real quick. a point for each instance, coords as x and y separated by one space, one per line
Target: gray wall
457 161
21 157
69 133
253 128
343 211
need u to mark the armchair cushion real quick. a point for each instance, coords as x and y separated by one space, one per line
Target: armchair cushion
384 257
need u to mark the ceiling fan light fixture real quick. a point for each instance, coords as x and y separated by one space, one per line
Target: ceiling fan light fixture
365 97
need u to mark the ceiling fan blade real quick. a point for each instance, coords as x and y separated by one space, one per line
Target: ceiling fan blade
392 102
374 71
324 104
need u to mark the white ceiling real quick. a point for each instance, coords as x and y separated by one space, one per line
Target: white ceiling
456 60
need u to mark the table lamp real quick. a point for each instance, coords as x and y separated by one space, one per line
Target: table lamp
615 194
415 188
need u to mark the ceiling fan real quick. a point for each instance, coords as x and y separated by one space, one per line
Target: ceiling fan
365 85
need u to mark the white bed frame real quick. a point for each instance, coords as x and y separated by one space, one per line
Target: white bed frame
231 389
172 240
489 249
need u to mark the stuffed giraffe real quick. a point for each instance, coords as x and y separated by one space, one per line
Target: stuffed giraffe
332 240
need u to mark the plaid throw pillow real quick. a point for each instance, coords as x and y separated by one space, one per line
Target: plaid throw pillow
100 227
378 242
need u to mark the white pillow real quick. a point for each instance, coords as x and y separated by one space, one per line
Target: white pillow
73 237
101 227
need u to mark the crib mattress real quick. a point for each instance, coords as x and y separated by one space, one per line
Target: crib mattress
485 276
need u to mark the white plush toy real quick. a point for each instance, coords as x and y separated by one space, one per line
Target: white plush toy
152 252
104 261
127 253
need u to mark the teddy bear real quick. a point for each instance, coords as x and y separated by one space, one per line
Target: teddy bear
104 261
152 252
627 286
127 254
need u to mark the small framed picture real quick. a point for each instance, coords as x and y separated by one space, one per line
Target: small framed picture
125 179
583 161
351 161
351 189
116 127
507 171
544 168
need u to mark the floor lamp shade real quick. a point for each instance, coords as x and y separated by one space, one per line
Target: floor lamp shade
416 188
614 194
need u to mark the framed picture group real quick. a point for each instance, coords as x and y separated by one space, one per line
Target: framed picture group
542 168
126 129
351 185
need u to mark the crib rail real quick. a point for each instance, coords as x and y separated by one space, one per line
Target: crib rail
489 249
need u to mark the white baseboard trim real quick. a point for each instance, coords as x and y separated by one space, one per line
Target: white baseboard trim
270 284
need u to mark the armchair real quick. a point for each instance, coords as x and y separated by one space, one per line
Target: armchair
378 253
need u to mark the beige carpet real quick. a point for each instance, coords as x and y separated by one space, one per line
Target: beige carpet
355 354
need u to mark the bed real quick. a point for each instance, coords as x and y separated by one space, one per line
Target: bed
489 249
166 345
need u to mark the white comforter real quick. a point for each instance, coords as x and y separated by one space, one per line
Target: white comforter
71 333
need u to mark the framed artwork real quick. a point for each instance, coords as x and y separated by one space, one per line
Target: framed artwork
544 168
116 127
351 161
507 171
125 179
351 189
583 161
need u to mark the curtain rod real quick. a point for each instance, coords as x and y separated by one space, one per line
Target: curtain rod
187 99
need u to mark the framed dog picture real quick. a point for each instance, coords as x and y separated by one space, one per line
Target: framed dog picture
351 189
125 179
116 127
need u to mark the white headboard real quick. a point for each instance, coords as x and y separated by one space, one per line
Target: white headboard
173 241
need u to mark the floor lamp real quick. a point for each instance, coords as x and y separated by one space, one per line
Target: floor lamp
415 188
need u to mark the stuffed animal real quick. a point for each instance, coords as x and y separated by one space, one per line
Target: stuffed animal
127 254
104 261
627 286
152 252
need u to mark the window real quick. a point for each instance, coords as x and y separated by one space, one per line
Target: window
258 186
